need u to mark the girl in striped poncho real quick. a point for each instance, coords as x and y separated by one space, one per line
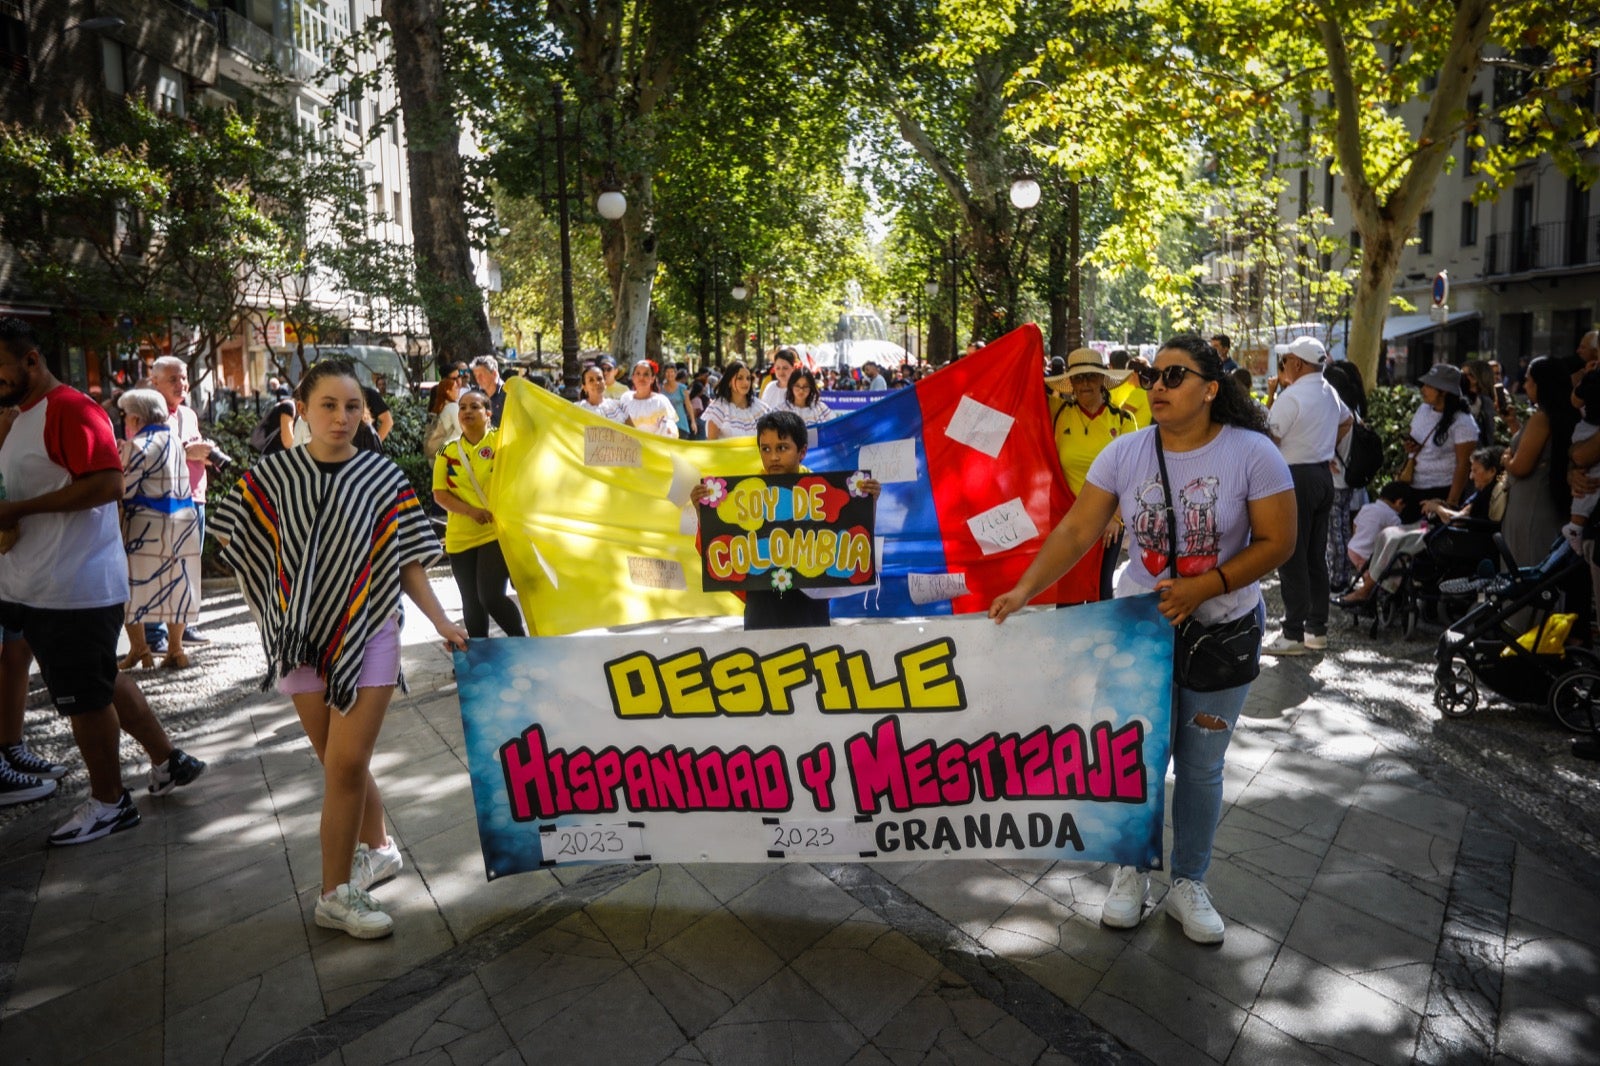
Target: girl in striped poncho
324 538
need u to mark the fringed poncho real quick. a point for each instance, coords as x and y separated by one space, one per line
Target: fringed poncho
318 556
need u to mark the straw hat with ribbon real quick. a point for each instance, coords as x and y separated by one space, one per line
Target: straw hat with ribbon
1086 361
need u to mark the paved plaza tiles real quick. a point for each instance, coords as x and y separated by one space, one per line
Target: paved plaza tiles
1379 909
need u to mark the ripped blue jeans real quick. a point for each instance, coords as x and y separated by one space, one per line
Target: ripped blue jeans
1199 751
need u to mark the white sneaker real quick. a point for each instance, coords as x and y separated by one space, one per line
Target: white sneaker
373 866
355 912
1316 642
1281 645
1190 904
1124 905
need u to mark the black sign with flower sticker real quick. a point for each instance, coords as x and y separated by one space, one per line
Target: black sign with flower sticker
783 531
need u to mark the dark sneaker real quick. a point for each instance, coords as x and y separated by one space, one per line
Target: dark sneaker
21 788
25 761
193 638
179 769
93 820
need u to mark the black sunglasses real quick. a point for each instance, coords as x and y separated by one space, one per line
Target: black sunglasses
1171 377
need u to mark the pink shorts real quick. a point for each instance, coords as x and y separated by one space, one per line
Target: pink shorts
380 664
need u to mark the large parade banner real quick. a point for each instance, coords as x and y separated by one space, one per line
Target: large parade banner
597 529
783 531
1047 737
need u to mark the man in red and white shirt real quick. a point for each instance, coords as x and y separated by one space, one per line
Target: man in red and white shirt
64 582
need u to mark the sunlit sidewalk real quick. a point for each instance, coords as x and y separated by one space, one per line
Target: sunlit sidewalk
1373 914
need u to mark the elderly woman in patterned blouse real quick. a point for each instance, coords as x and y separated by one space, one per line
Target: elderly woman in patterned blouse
160 529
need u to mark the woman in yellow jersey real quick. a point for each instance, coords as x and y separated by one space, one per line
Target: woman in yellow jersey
1085 421
460 476
1128 395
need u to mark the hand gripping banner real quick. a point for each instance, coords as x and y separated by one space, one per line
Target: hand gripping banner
1047 737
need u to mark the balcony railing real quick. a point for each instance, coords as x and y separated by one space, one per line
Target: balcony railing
1547 246
264 49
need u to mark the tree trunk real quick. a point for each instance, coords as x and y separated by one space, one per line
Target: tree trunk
636 280
452 301
1056 282
652 343
1380 262
1385 216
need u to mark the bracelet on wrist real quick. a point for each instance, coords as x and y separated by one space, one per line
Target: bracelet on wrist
1226 588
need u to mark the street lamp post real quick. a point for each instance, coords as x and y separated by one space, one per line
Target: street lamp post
1074 276
740 293
716 302
930 289
610 205
570 379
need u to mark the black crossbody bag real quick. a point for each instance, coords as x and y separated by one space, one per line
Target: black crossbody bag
1208 658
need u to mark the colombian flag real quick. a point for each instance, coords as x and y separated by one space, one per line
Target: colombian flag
594 521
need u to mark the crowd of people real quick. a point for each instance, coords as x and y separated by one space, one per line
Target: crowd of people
325 535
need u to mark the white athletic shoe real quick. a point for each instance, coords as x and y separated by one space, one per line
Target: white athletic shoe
1124 905
373 866
355 912
1190 904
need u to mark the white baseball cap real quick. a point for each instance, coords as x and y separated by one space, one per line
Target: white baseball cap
1308 349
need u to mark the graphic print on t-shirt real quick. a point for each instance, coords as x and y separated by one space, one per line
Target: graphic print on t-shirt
1201 536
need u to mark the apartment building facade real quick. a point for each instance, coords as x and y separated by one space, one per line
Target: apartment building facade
1523 267
59 55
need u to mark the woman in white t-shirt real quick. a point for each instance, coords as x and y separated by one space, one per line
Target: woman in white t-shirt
594 398
648 409
734 412
1441 441
784 361
1234 508
802 397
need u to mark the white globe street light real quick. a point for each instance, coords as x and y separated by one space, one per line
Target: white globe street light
1025 193
611 204
740 292
930 288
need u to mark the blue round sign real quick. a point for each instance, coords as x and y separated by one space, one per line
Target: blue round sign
1441 288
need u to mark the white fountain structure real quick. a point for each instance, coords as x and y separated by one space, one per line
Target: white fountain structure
859 337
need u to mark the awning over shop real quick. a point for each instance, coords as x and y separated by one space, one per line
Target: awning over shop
1399 327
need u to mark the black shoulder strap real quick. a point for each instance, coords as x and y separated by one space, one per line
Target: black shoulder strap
1172 516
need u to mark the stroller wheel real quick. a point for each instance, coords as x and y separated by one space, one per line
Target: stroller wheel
1455 691
1575 700
1383 612
1408 622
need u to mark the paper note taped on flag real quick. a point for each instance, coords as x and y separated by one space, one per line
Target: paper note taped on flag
618 538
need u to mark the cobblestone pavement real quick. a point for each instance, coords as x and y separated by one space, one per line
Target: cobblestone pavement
1398 889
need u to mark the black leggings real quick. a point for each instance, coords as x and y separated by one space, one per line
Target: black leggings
481 576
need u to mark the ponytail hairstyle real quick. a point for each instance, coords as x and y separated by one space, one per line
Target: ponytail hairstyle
1231 406
1554 382
1453 406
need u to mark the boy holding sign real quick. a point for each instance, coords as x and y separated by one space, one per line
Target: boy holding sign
781 442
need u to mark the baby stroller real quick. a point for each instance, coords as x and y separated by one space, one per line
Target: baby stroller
1464 548
1483 649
